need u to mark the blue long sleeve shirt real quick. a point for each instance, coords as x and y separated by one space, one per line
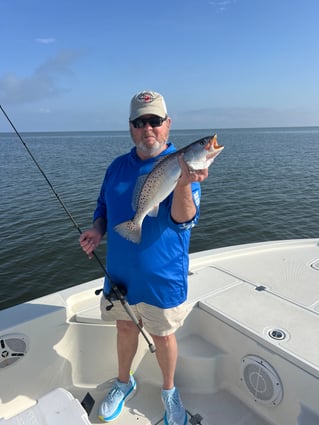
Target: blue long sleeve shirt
155 270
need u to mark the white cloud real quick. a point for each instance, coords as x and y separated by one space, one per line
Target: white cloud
221 5
45 82
48 40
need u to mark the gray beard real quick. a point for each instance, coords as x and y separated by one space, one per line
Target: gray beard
150 151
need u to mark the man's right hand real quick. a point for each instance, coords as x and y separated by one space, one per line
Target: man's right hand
90 240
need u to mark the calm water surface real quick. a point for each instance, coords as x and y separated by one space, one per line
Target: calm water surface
264 186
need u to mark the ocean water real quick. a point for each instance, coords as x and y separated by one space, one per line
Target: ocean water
264 186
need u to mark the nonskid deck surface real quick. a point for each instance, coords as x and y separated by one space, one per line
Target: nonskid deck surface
236 297
146 408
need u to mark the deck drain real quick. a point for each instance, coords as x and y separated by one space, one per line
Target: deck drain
277 334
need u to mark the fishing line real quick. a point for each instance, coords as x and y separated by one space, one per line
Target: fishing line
114 288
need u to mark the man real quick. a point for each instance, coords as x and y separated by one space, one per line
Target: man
153 272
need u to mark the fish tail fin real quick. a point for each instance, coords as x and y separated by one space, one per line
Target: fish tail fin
130 231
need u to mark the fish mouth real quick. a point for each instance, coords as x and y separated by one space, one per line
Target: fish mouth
213 147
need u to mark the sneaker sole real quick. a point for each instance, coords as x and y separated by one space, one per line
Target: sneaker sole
185 420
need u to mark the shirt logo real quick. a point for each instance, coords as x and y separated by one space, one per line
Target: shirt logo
196 198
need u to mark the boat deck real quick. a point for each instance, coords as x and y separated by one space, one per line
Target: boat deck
247 351
145 408
200 380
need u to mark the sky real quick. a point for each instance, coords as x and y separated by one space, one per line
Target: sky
74 65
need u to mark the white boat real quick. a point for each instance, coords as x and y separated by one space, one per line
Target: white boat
248 351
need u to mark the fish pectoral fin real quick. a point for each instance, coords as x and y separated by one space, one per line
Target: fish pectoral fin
154 211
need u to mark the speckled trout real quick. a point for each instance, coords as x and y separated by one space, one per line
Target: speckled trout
161 181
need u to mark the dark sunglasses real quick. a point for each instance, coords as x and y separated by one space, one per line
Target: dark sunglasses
153 122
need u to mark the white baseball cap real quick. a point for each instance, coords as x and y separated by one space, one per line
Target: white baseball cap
147 103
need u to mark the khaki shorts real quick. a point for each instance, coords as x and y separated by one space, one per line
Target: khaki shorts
155 320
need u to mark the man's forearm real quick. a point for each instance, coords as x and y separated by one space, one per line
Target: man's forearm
100 225
183 207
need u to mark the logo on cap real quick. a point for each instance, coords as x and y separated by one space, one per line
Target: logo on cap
145 97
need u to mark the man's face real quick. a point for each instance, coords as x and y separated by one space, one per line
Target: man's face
151 135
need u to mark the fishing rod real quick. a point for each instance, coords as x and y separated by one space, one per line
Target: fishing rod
115 290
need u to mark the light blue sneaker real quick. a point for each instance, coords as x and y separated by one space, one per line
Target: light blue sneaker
112 406
175 413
